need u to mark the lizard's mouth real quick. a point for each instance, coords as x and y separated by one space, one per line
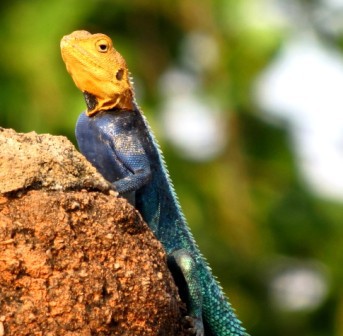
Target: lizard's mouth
65 41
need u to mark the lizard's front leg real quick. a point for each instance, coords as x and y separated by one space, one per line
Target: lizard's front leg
184 271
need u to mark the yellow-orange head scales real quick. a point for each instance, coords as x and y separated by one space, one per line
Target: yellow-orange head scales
98 69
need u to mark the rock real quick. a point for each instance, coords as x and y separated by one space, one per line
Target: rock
34 161
75 261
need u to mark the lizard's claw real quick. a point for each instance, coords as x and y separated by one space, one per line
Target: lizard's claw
196 326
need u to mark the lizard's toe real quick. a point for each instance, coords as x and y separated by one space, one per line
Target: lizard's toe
196 326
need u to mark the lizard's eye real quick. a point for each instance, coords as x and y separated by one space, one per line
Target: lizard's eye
120 74
102 45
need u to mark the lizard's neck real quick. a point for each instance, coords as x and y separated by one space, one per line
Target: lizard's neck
91 102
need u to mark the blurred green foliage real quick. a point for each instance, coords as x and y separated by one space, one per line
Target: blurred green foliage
248 208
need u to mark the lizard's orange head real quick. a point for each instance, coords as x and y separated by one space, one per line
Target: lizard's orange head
98 70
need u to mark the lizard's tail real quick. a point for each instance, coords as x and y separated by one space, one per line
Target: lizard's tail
219 316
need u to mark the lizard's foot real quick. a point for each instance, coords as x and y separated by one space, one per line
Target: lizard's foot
196 326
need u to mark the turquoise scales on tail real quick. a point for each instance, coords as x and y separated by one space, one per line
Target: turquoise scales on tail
115 138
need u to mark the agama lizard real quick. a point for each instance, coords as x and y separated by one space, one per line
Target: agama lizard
115 137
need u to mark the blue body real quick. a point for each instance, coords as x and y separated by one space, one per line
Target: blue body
121 146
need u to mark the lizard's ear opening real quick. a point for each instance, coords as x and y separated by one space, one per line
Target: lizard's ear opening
120 74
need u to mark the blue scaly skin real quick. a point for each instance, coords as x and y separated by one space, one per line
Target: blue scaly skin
115 138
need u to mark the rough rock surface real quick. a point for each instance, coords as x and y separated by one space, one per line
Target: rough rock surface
36 161
75 262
